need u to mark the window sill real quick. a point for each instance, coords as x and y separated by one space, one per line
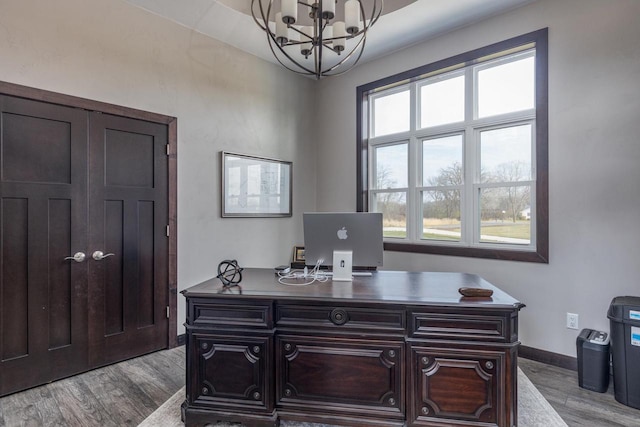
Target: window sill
499 254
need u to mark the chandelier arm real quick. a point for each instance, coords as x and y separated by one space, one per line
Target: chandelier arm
271 41
320 26
268 15
329 73
294 43
261 12
301 33
307 70
346 58
317 57
312 50
373 19
358 47
362 41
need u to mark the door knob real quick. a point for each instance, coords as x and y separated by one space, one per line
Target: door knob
77 257
99 255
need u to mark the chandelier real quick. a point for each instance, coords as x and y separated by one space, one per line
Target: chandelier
327 43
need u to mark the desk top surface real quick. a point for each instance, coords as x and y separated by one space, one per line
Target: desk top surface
419 288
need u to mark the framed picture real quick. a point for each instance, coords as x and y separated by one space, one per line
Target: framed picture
255 186
298 254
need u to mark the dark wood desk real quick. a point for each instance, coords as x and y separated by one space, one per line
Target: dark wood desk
393 349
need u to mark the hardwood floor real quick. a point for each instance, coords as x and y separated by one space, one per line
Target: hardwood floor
577 406
123 394
126 393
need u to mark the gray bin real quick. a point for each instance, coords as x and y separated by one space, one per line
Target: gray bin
624 318
593 360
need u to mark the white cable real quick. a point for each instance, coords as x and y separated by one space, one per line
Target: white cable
315 275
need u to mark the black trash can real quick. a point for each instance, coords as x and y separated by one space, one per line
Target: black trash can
624 317
593 360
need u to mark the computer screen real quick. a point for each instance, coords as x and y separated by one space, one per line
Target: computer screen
359 232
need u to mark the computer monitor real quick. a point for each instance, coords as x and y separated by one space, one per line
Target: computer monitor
359 232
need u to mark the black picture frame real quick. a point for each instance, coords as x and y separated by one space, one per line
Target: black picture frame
256 187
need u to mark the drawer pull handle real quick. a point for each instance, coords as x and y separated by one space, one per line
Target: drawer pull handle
489 365
425 360
256 349
425 410
339 316
392 353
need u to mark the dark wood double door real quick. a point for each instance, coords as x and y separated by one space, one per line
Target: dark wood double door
83 246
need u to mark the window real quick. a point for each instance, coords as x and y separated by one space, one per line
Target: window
454 154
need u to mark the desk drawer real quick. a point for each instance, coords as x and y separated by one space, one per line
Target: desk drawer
344 317
475 327
363 377
207 313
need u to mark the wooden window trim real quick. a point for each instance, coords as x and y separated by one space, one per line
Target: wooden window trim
540 39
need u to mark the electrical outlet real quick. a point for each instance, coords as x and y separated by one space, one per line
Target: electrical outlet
572 321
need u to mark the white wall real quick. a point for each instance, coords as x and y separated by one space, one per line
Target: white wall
227 100
224 99
594 152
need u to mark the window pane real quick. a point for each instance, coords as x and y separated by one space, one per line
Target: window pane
442 161
505 215
392 166
441 215
442 102
394 213
506 88
391 113
505 154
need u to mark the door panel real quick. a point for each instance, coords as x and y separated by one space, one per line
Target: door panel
43 216
59 289
112 279
15 287
41 143
128 196
146 292
129 159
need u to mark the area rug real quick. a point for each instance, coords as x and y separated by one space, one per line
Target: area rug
533 410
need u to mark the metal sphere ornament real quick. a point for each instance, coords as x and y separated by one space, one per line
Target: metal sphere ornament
229 273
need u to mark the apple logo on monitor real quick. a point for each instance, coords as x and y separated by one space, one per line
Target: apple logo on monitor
342 233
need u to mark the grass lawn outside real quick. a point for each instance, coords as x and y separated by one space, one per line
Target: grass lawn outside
518 230
395 233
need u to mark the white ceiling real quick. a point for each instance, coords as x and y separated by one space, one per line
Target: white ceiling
229 21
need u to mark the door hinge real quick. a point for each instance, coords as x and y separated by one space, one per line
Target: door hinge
168 150
167 312
167 231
